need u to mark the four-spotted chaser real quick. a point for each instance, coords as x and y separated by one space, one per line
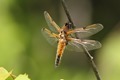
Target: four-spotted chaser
62 36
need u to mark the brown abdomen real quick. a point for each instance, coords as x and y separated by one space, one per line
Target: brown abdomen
60 50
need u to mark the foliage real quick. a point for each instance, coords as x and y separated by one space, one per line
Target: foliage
5 75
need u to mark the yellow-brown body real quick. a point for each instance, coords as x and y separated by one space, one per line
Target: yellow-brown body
60 50
62 42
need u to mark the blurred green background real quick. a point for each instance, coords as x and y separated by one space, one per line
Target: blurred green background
25 50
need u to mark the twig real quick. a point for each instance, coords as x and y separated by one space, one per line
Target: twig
90 58
13 76
67 14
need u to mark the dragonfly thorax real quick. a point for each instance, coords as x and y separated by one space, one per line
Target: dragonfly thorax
63 36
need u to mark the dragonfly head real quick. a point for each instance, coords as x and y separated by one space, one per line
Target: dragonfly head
68 25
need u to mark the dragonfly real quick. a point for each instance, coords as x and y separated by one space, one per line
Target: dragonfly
62 37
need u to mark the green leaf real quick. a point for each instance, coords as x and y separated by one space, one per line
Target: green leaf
22 77
9 78
4 74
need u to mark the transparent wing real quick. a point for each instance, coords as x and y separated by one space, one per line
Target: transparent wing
76 45
52 25
73 46
87 31
52 38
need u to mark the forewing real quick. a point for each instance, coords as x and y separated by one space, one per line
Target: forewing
52 25
87 31
76 45
52 38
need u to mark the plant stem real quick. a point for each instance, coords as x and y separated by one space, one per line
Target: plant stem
13 76
67 14
90 58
